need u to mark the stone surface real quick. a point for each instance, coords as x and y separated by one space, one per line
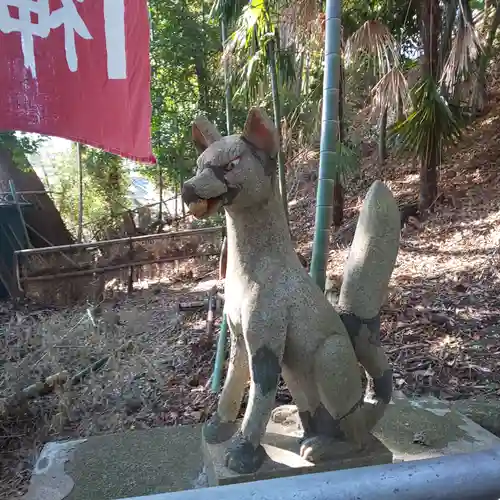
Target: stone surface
121 465
485 412
415 429
167 459
281 443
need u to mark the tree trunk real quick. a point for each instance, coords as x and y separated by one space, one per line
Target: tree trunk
300 73
78 152
176 200
430 26
428 178
201 75
43 217
382 138
338 188
160 187
338 201
446 40
227 82
400 110
308 73
200 63
183 206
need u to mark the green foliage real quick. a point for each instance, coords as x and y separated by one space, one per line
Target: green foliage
432 123
227 9
248 52
110 178
213 221
21 145
103 197
186 80
348 159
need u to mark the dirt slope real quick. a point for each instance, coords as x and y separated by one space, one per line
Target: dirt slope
441 325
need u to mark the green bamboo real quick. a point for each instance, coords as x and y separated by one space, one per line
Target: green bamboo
219 356
277 122
328 143
227 83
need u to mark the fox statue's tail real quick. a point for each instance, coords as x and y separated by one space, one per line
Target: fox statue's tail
364 289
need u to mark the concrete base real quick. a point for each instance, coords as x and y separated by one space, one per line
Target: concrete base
283 459
169 459
128 464
415 429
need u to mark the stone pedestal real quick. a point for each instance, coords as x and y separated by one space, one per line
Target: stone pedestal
281 443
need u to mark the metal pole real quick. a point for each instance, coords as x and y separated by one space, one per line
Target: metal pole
219 357
80 191
472 476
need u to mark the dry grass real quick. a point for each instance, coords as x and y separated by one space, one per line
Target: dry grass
159 380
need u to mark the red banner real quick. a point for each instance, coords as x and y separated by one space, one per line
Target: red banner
78 69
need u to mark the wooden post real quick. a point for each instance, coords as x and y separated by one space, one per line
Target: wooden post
160 211
80 191
130 284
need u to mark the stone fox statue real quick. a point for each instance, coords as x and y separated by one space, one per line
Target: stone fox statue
280 321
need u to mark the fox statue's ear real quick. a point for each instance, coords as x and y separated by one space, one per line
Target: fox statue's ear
260 131
204 133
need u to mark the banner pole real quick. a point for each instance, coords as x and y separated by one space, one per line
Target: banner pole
80 191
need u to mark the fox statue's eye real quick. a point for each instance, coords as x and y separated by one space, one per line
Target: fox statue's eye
232 164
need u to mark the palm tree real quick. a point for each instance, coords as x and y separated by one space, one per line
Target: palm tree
436 119
252 51
448 57
374 44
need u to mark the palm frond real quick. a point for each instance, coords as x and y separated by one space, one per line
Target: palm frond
229 10
463 56
390 89
433 123
373 39
348 160
250 28
297 21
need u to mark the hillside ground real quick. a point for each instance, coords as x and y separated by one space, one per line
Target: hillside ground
441 322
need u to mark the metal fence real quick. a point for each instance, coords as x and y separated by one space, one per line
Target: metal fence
74 273
472 476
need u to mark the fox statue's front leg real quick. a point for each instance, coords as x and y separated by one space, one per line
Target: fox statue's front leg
222 426
245 453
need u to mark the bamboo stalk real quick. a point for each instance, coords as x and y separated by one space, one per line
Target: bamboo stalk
329 136
80 191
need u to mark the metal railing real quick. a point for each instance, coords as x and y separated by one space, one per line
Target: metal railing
471 476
